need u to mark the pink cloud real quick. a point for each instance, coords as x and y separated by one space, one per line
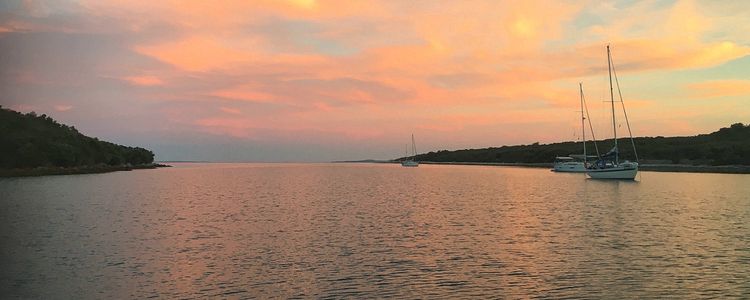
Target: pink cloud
230 110
62 107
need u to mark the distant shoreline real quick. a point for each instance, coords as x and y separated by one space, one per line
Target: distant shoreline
45 171
733 169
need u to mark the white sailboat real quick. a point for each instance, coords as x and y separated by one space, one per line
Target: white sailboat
577 163
409 161
609 165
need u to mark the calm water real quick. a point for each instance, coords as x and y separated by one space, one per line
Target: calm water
371 230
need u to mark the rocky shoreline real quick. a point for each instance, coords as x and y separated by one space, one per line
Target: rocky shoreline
45 171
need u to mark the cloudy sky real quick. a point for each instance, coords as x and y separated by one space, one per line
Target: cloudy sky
318 80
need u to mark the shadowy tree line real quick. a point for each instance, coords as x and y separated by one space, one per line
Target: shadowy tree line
31 140
727 146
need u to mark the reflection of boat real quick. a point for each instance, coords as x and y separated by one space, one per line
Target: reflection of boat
409 161
609 166
578 162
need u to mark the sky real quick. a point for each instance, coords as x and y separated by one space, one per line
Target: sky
322 80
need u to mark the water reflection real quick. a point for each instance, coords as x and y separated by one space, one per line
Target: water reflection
337 230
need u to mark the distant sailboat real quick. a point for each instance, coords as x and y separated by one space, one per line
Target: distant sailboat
609 166
410 161
578 163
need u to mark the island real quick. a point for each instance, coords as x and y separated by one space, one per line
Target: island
35 145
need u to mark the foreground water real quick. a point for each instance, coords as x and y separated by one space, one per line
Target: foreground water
373 230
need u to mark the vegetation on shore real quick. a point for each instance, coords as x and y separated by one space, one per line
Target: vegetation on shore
32 144
727 146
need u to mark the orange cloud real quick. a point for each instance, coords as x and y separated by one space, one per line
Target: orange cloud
244 93
493 27
306 4
649 54
196 54
146 80
719 88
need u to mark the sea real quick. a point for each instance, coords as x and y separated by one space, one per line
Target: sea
337 230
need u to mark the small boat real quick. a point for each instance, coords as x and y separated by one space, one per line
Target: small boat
568 164
577 163
410 161
574 163
609 165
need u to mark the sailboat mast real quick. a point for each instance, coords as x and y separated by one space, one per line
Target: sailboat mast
413 146
583 124
612 101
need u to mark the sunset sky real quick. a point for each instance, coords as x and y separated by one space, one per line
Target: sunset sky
317 80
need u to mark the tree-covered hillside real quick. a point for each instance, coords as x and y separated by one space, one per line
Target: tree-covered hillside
728 146
29 141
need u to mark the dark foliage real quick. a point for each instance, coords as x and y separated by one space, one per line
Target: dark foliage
29 141
728 146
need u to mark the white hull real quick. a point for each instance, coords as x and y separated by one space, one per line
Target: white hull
575 167
409 163
618 172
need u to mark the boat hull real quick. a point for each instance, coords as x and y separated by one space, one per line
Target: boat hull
570 167
409 163
613 173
